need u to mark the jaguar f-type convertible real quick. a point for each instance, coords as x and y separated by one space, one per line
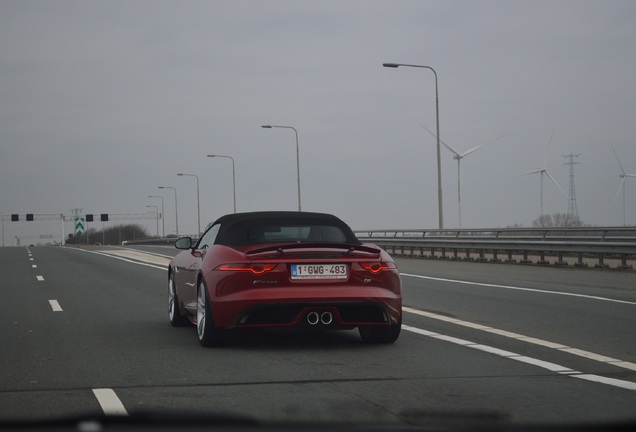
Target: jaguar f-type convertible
283 269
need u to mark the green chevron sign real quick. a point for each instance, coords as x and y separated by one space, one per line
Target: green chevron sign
79 226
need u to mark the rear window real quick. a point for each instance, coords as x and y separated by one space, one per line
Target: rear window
243 229
295 233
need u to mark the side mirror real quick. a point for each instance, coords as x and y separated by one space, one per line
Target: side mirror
183 243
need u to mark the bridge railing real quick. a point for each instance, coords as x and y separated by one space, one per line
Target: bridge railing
579 246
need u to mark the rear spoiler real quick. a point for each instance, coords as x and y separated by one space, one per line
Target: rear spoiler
349 247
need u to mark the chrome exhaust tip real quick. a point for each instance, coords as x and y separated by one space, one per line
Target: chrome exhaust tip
313 318
326 318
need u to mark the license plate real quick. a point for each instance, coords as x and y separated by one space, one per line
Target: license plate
319 271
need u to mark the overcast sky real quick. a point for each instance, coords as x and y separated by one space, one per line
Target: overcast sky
102 102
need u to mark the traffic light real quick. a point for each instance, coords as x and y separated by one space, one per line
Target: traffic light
29 216
15 218
104 217
89 218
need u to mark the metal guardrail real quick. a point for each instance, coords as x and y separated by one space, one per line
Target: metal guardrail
567 245
578 246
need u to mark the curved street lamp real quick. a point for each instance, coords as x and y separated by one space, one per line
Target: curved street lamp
297 156
439 156
176 212
233 176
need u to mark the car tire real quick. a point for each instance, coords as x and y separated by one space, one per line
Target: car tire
174 311
207 331
386 335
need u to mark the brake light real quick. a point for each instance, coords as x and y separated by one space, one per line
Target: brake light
377 266
255 268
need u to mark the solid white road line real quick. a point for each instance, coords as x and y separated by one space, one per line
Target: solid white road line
55 306
609 381
552 367
39 278
527 339
139 256
151 253
110 403
521 289
124 259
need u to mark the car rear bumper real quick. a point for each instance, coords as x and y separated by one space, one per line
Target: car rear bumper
313 315
283 307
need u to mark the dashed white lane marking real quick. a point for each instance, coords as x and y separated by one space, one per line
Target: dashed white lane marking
557 346
552 367
55 306
110 403
34 266
39 278
522 289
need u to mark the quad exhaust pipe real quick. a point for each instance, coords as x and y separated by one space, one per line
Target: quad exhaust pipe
314 318
326 318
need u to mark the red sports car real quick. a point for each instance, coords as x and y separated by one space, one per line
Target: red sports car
283 269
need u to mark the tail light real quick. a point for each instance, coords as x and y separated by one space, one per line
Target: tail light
377 266
255 268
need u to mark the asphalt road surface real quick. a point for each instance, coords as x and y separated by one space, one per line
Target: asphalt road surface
86 332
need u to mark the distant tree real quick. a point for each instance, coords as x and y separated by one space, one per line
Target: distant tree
543 221
557 220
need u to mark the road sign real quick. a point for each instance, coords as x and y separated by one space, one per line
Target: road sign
79 226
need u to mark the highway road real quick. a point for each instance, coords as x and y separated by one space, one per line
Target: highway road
85 331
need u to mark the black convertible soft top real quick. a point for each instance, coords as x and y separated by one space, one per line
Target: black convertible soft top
239 229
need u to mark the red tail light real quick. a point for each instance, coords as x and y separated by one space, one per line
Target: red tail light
377 266
255 268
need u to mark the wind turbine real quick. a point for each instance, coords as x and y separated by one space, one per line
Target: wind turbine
459 156
544 171
624 176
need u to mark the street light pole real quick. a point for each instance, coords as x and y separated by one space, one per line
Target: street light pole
198 202
439 153
163 215
297 156
233 176
176 212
